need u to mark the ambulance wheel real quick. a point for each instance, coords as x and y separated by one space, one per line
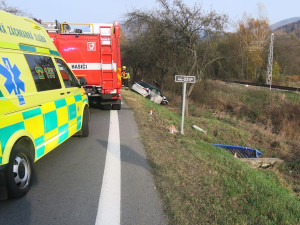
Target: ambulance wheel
116 106
19 171
85 123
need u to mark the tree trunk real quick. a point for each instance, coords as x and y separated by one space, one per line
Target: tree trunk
186 106
190 89
192 86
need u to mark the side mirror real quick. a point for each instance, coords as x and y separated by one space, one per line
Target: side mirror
82 81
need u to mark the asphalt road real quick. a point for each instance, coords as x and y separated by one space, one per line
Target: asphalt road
68 182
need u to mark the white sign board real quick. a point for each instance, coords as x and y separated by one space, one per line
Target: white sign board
185 79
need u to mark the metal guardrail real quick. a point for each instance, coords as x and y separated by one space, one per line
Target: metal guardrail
241 152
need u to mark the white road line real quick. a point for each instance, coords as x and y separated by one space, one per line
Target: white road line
110 197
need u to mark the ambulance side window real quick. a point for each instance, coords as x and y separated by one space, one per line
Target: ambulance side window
43 72
67 75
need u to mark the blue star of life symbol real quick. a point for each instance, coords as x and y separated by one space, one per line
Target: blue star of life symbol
12 75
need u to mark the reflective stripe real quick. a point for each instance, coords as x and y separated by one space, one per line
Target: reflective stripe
78 125
39 140
7 132
52 52
43 50
109 66
72 111
78 98
64 136
9 45
63 127
40 151
93 66
27 48
60 103
31 113
51 124
50 121
85 66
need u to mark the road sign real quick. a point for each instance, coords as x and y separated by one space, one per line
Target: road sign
185 79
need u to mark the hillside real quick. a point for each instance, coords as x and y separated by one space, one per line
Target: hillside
282 23
289 28
200 184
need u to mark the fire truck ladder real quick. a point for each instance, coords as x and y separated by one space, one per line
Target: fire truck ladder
108 66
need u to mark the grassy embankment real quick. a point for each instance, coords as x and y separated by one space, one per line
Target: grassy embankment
200 184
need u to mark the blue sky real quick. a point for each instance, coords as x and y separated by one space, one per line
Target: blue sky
107 11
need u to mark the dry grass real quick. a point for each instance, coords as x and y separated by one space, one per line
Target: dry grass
254 117
200 184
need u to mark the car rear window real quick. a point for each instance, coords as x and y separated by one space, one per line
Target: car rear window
143 84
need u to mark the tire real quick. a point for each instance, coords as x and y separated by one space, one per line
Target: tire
85 123
116 106
19 171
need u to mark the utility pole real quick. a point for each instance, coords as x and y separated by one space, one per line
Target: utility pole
270 62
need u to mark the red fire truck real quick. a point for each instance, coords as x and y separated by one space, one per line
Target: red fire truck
92 51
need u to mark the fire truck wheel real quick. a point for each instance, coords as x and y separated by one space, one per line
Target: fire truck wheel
85 123
19 171
116 106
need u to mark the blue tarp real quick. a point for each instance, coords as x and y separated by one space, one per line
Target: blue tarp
241 152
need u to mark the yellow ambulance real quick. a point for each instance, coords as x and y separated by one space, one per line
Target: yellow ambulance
42 104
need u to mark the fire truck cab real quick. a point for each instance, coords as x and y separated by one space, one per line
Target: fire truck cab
92 51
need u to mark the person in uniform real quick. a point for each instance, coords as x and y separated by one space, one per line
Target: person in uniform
125 77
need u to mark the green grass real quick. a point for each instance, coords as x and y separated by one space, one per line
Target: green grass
201 184
293 96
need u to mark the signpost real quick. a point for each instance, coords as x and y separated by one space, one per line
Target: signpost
184 79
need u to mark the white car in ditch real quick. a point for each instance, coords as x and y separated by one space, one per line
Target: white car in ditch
150 92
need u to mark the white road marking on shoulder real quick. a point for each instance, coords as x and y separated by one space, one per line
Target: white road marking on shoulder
110 197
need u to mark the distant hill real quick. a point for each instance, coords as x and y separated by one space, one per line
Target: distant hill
282 23
289 28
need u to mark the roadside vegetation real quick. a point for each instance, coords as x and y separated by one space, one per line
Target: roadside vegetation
201 184
252 117
177 38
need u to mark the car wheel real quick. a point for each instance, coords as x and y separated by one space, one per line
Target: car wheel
19 171
85 123
116 106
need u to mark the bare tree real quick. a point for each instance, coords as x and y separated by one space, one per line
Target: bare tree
254 34
177 38
12 9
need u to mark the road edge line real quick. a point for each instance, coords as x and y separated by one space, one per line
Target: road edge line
109 208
